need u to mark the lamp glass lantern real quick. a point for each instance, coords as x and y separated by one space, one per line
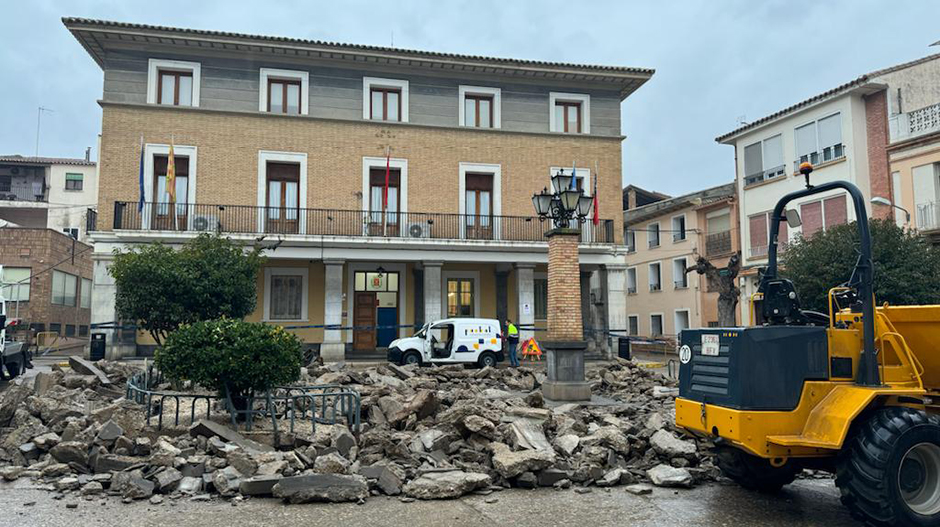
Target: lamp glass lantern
542 202
570 199
584 205
561 181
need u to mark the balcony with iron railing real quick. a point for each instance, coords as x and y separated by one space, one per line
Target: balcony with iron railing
772 173
824 155
718 243
31 193
417 226
915 123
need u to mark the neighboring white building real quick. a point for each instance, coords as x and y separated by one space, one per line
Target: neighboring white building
844 133
45 192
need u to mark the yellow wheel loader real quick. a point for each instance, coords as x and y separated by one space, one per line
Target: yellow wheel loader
853 391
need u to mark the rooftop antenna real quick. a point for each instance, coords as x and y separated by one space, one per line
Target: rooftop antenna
393 39
741 119
39 124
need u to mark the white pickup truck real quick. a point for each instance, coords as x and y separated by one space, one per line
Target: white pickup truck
15 356
451 341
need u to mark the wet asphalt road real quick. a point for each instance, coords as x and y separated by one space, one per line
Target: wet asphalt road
805 503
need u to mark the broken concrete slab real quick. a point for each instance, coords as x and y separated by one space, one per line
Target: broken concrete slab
445 485
639 489
313 488
84 367
259 485
528 434
667 476
207 429
666 444
510 464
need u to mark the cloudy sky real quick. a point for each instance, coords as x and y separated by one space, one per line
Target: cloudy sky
716 61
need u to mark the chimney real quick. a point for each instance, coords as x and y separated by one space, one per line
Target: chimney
88 154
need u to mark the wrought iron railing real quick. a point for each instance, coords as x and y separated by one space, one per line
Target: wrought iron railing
35 194
190 217
718 243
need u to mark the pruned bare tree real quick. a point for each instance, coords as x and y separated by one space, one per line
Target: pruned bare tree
726 280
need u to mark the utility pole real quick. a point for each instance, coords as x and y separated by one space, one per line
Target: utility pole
39 124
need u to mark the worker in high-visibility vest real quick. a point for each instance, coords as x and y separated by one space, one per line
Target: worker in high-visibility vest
512 339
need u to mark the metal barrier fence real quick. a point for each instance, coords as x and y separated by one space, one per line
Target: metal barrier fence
320 404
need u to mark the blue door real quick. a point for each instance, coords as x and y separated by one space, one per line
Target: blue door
387 320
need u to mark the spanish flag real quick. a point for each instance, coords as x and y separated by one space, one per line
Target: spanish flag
171 176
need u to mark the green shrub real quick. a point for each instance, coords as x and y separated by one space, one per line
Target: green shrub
245 357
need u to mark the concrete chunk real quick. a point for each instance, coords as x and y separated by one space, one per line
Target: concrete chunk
445 485
312 488
259 485
666 476
207 428
84 367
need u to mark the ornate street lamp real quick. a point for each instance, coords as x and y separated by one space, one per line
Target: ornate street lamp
566 204
567 207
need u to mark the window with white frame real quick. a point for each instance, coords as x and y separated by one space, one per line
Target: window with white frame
633 325
678 228
173 82
656 325
284 91
655 277
285 293
652 233
764 160
681 320
570 113
15 283
819 141
384 99
479 107
631 281
679 277
630 239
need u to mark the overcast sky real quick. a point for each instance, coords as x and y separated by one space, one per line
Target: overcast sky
716 61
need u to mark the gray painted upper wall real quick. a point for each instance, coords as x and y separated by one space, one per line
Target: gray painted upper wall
335 92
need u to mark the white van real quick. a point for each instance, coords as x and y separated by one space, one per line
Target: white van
451 341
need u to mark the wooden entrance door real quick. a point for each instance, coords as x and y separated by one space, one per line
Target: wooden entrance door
364 317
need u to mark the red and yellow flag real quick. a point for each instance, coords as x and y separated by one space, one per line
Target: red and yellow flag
171 175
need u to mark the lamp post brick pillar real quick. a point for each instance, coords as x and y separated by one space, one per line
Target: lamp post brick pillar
565 344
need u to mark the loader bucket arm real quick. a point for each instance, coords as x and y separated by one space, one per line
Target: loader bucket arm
868 362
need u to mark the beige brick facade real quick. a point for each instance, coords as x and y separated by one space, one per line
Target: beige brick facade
228 144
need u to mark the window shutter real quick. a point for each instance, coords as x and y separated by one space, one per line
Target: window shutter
773 152
836 213
758 228
811 213
753 164
806 139
830 131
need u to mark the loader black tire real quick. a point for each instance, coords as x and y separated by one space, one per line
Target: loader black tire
755 473
890 467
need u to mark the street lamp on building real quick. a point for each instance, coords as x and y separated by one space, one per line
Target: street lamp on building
567 207
878 200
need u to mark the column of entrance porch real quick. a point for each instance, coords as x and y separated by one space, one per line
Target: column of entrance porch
433 299
525 292
616 298
334 345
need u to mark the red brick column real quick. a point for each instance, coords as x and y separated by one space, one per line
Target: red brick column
564 286
876 125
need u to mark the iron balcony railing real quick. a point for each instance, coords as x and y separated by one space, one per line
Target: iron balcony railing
718 243
33 193
243 219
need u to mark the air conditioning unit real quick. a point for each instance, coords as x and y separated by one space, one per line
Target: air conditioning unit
206 223
418 230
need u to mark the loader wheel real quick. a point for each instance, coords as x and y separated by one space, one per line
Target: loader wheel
889 472
755 473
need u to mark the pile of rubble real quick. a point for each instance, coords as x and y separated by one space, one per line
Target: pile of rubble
426 433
